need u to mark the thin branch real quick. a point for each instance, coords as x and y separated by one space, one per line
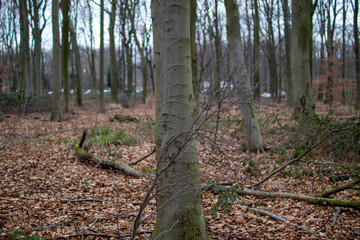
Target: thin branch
278 218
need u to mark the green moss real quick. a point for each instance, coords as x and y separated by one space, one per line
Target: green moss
192 223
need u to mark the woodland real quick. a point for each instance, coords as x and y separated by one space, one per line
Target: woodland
182 119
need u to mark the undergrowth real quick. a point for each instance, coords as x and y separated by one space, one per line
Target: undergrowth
107 136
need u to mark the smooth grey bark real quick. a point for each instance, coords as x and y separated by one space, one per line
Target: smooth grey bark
113 69
56 110
252 135
300 59
101 82
179 197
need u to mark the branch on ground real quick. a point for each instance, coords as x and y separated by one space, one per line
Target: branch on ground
124 167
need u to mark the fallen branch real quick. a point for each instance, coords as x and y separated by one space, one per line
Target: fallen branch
301 197
338 189
105 235
299 157
278 218
82 200
124 167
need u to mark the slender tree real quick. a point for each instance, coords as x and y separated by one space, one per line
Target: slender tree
194 53
79 71
113 69
357 51
179 198
287 34
65 9
300 58
101 82
252 134
256 59
56 111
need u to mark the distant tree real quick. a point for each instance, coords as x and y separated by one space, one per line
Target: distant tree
79 70
37 11
113 68
301 36
101 82
287 34
357 51
252 134
194 52
65 9
56 110
26 86
256 58
179 198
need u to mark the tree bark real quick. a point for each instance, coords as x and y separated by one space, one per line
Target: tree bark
357 51
113 69
300 59
252 134
179 198
101 82
289 81
256 59
65 9
56 111
79 75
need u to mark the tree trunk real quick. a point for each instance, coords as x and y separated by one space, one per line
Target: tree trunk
56 111
101 82
25 51
37 52
194 53
289 81
256 59
179 198
357 52
113 69
300 59
65 9
79 75
252 134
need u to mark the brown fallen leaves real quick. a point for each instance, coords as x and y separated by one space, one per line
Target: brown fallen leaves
41 176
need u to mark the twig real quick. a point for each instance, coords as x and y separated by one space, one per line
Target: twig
105 235
144 157
299 158
278 218
340 210
82 200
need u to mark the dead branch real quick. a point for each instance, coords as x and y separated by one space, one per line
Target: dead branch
82 200
301 156
302 197
338 189
124 167
104 235
278 218
143 158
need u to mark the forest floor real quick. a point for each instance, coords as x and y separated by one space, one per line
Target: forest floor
45 189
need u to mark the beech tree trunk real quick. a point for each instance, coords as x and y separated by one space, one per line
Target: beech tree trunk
287 34
101 82
256 59
56 111
194 53
79 75
179 197
252 134
65 9
357 51
113 69
300 59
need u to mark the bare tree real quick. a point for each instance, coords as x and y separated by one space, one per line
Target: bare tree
56 111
